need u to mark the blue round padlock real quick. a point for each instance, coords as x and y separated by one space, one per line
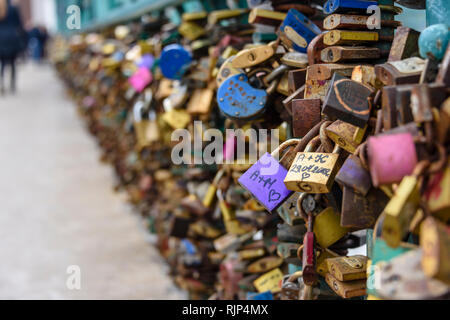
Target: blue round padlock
237 99
174 61
433 41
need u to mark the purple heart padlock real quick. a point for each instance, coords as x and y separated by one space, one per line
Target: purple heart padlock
265 181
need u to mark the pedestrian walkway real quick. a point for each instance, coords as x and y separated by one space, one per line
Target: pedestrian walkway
58 207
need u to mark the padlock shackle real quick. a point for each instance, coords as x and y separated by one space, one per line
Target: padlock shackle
294 277
137 109
308 137
327 144
284 146
313 144
442 162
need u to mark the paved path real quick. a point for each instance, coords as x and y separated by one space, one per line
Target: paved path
58 208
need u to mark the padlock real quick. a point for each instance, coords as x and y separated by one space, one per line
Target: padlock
232 225
310 276
348 289
193 205
251 57
266 17
424 97
391 157
265 296
405 44
290 287
315 48
340 54
298 94
217 15
174 61
264 180
400 72
305 115
295 60
201 102
288 211
140 125
237 99
212 190
177 119
202 228
435 241
269 281
227 70
403 104
327 228
297 31
347 100
141 79
191 30
264 265
353 174
348 268
342 6
388 107
345 135
338 37
433 41
401 209
296 80
352 21
313 172
321 261
295 234
250 254
319 79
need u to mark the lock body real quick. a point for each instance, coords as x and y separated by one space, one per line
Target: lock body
174 61
264 180
391 157
298 31
347 100
348 268
238 100
352 174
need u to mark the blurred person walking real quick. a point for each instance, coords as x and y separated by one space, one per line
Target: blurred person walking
12 41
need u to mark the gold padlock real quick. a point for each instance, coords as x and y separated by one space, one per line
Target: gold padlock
402 207
313 172
327 228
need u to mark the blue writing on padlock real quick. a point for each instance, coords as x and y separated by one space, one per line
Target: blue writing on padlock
174 61
238 100
299 29
341 6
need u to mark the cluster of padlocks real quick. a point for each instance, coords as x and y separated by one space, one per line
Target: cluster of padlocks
359 105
